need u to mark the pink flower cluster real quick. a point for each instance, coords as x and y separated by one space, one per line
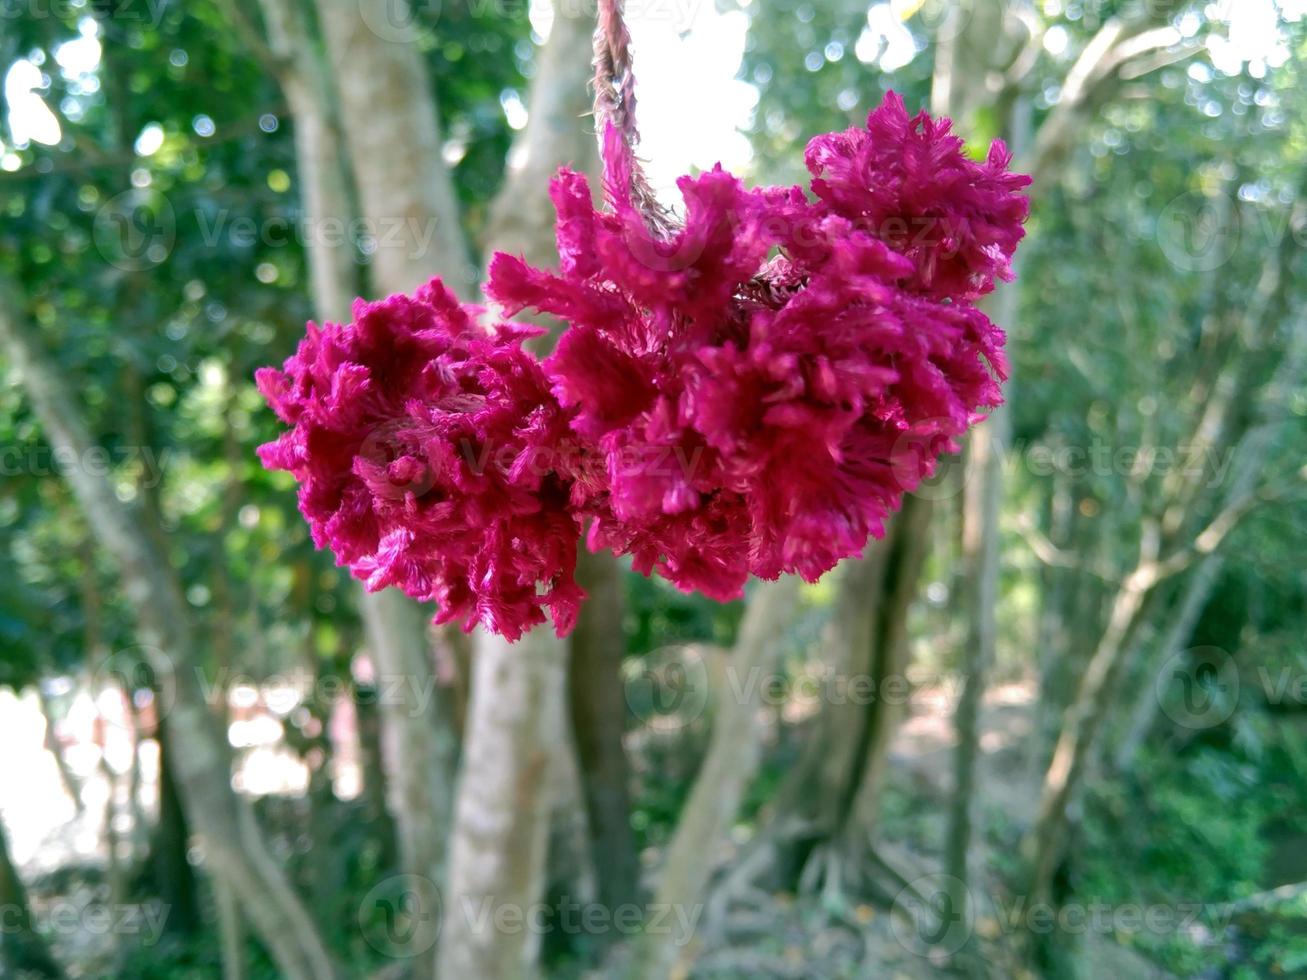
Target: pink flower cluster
414 436
751 394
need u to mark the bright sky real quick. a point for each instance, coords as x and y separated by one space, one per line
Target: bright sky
686 57
691 107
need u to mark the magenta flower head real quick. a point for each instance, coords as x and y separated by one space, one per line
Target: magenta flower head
906 181
748 390
422 439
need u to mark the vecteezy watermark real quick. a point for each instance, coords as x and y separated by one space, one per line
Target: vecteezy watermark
141 673
392 460
568 456
1285 686
1198 232
119 11
1198 688
1199 464
485 915
135 230
67 918
400 916
1110 918
668 689
398 21
828 686
408 233
937 915
395 460
96 461
403 916
929 918
282 693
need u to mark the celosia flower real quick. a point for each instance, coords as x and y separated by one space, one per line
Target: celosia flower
750 393
906 181
423 442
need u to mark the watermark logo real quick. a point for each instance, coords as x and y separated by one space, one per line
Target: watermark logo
135 230
668 689
932 915
1198 233
1198 688
119 11
393 462
940 20
68 918
923 465
400 916
397 21
486 916
143 674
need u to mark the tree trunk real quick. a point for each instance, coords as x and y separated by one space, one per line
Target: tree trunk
980 560
51 742
173 875
1078 731
981 551
391 129
234 846
22 949
555 135
231 931
501 818
408 204
733 757
516 725
598 715
372 772
893 653
826 811
1194 595
418 747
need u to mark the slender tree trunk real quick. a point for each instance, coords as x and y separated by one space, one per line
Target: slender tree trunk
1194 595
231 931
233 844
373 774
598 715
418 747
1057 594
555 135
592 775
1078 731
52 745
980 559
388 123
173 875
826 811
816 795
501 820
733 758
391 129
981 566
386 101
894 653
22 949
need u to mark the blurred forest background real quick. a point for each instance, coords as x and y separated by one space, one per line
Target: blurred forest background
1054 725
